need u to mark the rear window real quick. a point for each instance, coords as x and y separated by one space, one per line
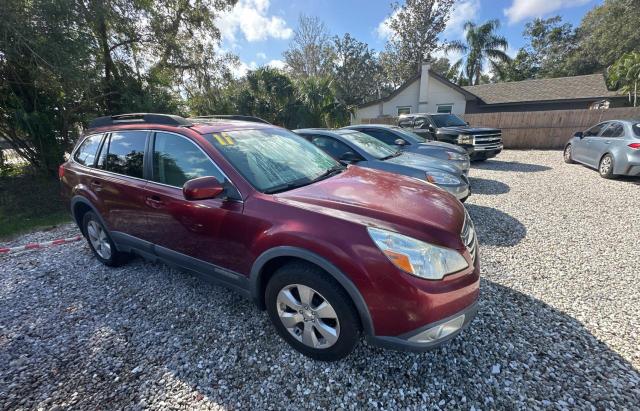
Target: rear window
636 129
86 153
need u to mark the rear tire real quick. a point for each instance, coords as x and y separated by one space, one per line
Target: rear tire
605 168
312 312
100 242
567 154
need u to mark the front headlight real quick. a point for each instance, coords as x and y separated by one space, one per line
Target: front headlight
416 257
456 156
465 139
442 178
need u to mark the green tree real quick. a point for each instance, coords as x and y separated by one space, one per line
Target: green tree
624 74
521 67
550 44
356 71
311 50
482 46
444 67
606 32
416 27
319 105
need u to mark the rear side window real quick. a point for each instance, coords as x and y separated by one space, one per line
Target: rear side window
382 135
177 160
86 153
125 153
614 130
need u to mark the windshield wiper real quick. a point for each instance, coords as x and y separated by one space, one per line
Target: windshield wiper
304 182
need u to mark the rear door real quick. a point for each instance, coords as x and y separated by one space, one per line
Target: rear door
195 234
602 144
118 183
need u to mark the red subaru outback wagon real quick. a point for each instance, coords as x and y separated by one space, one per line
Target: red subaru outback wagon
331 252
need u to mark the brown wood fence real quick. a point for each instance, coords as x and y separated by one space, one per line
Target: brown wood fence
539 129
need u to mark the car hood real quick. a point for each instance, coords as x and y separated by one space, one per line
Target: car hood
467 130
425 163
441 144
391 201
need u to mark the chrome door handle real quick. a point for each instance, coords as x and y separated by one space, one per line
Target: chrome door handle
97 186
154 202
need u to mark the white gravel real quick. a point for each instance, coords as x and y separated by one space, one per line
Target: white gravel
558 326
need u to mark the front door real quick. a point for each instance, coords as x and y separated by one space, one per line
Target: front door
584 150
202 235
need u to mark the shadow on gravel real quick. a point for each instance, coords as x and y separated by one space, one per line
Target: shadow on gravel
499 165
173 339
495 227
487 187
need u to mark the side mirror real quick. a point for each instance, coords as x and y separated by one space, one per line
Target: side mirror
579 134
467 123
399 142
202 188
349 157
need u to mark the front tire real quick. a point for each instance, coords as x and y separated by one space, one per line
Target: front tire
100 242
312 312
567 154
605 168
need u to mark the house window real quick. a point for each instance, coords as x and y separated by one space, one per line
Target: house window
445 108
404 110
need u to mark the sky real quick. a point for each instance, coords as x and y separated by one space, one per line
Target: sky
258 31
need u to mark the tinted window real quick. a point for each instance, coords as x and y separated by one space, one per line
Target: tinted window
383 135
272 159
86 153
371 145
405 122
177 160
447 120
333 147
614 130
126 153
595 130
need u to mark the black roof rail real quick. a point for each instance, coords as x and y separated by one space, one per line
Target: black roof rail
133 118
232 117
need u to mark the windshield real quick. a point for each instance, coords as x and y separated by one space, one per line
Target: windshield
272 159
409 135
447 120
368 144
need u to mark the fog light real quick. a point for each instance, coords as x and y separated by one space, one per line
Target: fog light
439 331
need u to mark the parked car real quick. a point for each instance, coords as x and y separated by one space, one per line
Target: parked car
480 143
612 147
331 252
354 147
408 141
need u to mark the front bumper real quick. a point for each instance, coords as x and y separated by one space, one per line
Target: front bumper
431 335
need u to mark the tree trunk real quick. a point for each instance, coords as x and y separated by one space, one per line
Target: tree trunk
107 61
635 93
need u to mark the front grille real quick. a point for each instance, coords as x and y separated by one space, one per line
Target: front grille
487 139
468 236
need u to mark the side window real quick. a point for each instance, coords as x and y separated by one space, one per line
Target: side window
86 153
405 122
177 160
383 135
614 130
125 153
334 148
421 122
595 130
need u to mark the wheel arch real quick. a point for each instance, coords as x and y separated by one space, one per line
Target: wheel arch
269 261
79 207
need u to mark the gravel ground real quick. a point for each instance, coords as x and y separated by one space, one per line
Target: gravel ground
558 326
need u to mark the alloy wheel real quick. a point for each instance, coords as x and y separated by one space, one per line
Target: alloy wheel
99 240
308 316
567 153
605 165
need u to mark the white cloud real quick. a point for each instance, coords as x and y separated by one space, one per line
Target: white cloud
261 56
277 64
524 9
251 18
241 69
462 11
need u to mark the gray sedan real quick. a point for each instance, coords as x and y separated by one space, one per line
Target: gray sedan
612 147
354 147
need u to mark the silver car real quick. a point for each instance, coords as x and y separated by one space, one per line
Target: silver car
354 147
612 147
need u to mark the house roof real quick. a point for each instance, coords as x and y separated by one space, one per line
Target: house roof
416 77
562 88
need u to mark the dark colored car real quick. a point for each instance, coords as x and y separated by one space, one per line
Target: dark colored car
480 143
322 247
406 140
354 147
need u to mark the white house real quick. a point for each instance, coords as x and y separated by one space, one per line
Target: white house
426 92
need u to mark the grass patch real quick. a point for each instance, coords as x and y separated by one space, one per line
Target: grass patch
28 202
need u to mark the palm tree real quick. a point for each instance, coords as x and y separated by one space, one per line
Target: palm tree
482 45
319 106
625 75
